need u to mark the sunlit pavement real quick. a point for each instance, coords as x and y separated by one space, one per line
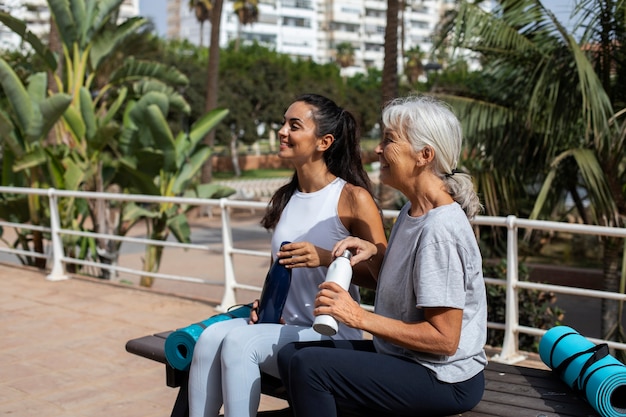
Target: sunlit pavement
63 353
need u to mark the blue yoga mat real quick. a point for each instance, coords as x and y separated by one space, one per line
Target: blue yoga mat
179 344
587 368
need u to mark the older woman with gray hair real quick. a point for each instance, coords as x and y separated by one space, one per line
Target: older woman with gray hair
430 319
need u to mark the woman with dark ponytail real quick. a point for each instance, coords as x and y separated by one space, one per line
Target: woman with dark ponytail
328 199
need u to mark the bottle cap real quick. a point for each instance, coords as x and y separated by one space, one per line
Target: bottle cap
346 254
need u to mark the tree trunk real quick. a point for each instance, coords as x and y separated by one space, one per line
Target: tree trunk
212 82
390 65
234 155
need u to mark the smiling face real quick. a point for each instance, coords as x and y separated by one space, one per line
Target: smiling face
298 136
398 160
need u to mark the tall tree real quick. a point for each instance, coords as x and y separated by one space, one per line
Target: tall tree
247 12
212 84
390 63
202 9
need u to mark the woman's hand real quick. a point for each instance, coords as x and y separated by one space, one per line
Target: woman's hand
337 302
254 313
362 250
303 255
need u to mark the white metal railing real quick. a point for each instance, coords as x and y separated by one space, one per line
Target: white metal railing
511 326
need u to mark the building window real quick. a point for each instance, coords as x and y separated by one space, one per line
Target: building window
296 22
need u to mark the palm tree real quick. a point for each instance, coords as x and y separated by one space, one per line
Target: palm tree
247 12
344 55
551 112
414 68
213 67
202 9
390 63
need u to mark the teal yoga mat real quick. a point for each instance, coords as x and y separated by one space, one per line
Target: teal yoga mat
587 368
179 344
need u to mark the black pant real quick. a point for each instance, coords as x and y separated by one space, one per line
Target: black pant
328 378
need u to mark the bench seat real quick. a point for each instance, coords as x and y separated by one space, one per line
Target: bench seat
511 391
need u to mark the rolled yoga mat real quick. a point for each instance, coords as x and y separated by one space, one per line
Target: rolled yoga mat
587 368
179 344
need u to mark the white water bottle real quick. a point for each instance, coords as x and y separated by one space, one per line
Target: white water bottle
340 272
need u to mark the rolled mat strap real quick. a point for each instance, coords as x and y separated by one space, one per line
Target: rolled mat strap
587 368
180 344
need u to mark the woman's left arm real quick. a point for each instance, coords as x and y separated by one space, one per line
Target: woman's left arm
439 333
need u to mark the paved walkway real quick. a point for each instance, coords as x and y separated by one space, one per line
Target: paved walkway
63 347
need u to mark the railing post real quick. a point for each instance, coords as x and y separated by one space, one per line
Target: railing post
229 298
510 344
58 272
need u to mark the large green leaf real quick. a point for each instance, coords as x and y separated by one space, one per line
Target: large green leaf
17 95
19 27
107 41
133 212
179 226
133 69
37 87
190 168
102 13
65 22
212 191
115 106
7 134
176 100
75 123
33 158
187 142
52 109
74 175
87 112
162 136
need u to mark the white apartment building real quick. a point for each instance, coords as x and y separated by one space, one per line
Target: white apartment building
312 29
37 17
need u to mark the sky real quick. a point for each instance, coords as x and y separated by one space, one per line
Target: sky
157 11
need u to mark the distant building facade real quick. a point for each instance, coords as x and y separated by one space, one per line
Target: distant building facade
312 29
36 14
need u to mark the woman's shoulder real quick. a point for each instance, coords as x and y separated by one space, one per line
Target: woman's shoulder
357 193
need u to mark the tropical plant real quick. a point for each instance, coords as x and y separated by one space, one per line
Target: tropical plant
170 170
247 12
344 54
202 10
99 143
390 62
24 127
550 112
413 69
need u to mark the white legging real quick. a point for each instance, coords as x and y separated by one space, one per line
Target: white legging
227 362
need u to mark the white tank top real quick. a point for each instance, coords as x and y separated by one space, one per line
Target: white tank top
312 217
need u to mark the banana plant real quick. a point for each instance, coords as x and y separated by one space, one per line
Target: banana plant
90 143
24 126
169 167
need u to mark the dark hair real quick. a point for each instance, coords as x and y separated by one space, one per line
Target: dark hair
343 157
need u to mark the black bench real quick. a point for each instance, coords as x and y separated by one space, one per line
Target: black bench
511 391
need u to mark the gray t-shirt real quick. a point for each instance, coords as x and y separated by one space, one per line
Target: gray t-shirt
434 261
